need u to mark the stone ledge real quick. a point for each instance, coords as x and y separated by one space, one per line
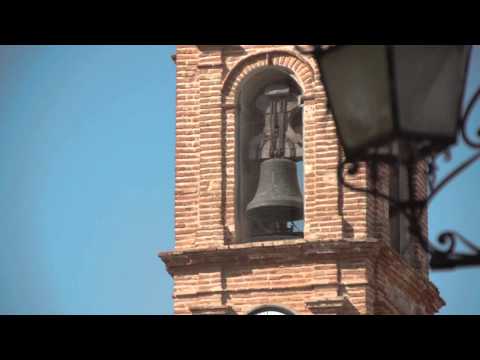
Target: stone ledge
329 305
210 65
220 47
335 302
212 310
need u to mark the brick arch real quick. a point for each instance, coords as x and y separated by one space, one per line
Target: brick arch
302 70
307 77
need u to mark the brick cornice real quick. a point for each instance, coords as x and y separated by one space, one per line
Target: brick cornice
272 251
284 252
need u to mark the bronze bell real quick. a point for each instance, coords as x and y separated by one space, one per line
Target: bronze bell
278 196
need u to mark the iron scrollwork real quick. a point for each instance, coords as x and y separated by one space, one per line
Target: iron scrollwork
413 208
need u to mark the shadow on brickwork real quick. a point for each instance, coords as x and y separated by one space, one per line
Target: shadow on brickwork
347 228
349 309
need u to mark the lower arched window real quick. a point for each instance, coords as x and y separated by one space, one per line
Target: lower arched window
271 310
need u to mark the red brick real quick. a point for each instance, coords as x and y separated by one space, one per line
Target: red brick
207 85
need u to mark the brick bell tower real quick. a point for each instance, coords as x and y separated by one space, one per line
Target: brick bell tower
245 112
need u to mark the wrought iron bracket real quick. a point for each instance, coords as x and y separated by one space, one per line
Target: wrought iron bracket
413 208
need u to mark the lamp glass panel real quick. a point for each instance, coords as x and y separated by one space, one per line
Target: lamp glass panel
357 82
429 81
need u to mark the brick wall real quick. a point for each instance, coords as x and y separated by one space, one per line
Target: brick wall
208 83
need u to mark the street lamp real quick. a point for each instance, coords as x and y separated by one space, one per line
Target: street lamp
399 105
384 95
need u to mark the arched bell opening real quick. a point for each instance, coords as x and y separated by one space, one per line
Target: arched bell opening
269 154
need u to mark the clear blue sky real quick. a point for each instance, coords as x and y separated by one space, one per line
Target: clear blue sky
87 138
